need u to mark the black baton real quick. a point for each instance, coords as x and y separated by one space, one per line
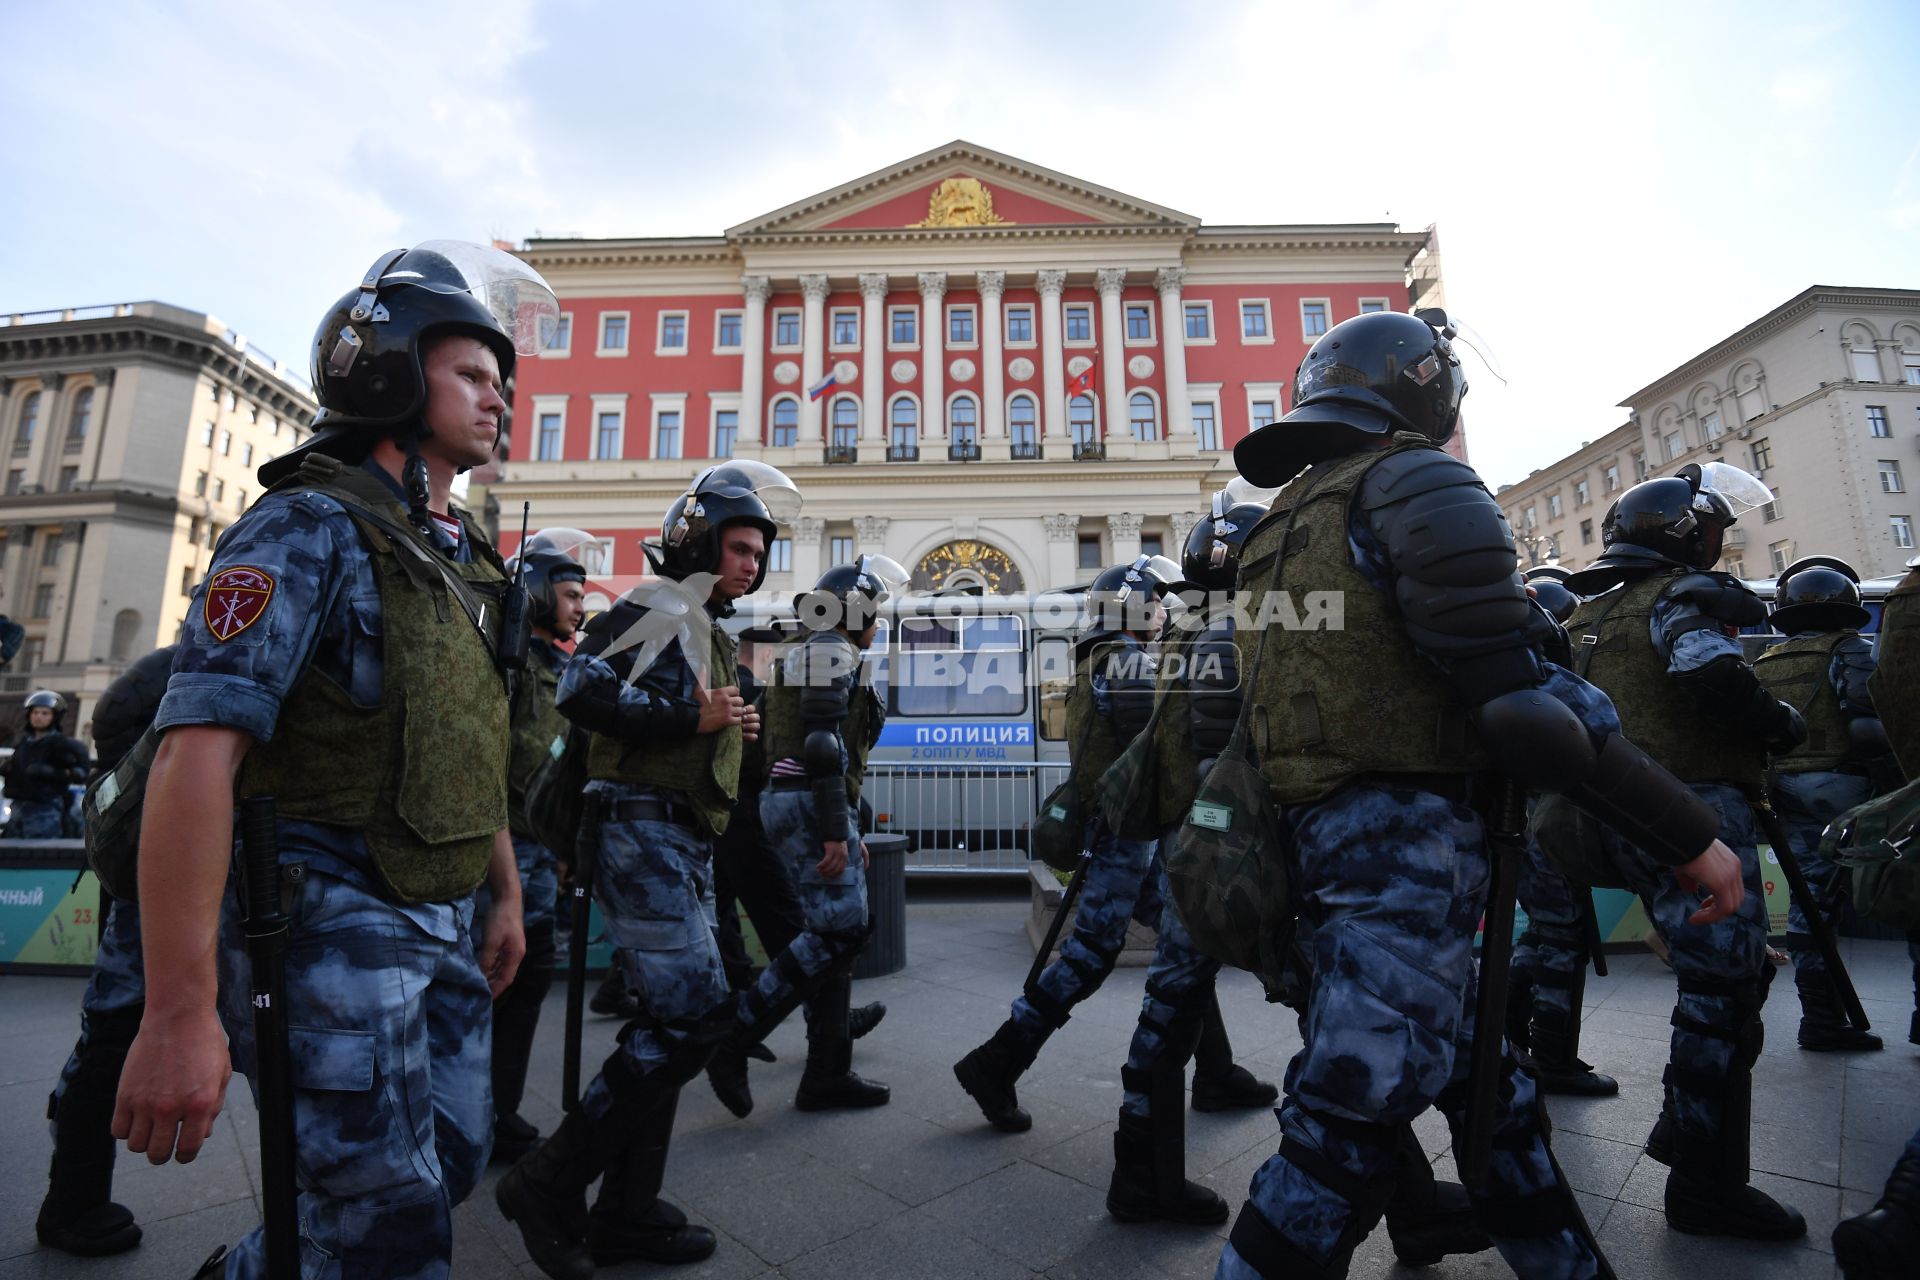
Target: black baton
266 930
1507 839
586 851
1822 932
1074 884
1590 926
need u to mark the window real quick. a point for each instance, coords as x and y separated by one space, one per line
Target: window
964 666
206 433
613 333
1151 545
1582 494
786 330
1261 414
729 328
1781 555
219 490
673 333
606 434
233 401
1866 364
1675 445
69 479
82 416
240 501
1143 417
960 326
846 424
1762 455
1877 425
246 455
199 485
1081 423
1020 427
1710 427
1205 424
1890 476
963 421
780 555
666 436
903 424
903 327
1198 317
1553 506
1610 478
226 444
1256 321
213 533
50 551
1369 305
839 550
1139 322
1910 366
1736 568
1640 465
1770 511
547 446
29 421
1902 531
1089 551
1586 533
596 557
1533 517
1019 326
195 527
560 340
43 600
1313 318
726 430
1079 318
846 327
786 423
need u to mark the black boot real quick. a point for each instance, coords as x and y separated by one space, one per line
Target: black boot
1823 1027
79 1215
1149 1178
865 1018
630 1222
1883 1243
1220 1084
1707 1191
1427 1219
513 1137
829 1081
1913 1027
1555 1060
613 1000
989 1072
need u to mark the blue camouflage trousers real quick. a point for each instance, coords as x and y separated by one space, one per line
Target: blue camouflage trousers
1180 981
1806 803
390 1032
1548 956
1393 883
35 820
1122 884
516 1010
116 994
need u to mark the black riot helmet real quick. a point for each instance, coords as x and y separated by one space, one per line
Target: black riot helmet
551 556
1818 593
1549 583
1681 518
1365 378
367 366
1212 554
1124 597
50 700
736 492
850 595
128 707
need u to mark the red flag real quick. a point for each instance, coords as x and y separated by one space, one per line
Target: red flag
1081 383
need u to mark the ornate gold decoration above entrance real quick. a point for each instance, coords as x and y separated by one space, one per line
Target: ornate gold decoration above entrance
961 202
968 562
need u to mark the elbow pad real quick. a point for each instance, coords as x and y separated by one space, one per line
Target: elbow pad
826 767
1727 687
599 702
1125 689
1536 740
1867 736
1630 793
1213 693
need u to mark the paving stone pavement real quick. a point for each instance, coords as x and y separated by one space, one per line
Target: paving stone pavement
923 1190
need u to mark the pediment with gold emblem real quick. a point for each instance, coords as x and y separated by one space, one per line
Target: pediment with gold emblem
961 187
968 563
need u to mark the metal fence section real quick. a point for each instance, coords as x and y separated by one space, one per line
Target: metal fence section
965 818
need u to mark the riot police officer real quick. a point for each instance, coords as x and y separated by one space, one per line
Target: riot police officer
667 738
1390 861
556 590
344 657
1822 670
44 764
79 1215
1654 634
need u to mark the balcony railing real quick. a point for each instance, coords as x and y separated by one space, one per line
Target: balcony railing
1026 450
843 453
1089 450
903 453
963 451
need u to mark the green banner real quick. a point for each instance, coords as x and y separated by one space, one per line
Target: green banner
46 919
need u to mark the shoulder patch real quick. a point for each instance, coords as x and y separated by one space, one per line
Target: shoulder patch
236 597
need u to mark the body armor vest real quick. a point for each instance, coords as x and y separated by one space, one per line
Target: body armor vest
1896 682
1104 742
785 734
1796 672
1332 705
1613 646
1174 757
705 768
537 726
424 773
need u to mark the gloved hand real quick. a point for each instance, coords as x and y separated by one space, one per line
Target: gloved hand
1787 731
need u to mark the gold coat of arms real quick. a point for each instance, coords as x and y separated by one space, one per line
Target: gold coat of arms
961 202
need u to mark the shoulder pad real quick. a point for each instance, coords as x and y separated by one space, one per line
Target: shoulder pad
1412 472
1852 644
1718 595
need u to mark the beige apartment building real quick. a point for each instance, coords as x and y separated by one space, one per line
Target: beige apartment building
1820 397
129 434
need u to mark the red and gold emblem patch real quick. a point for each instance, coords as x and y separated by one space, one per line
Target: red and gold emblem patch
235 600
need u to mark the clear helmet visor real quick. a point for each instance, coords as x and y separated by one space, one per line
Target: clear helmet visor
560 540
1239 491
1741 491
520 301
883 576
740 477
1161 568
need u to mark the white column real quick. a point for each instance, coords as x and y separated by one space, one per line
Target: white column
1053 372
1063 550
807 531
1124 526
1173 347
873 355
753 358
933 356
1113 351
813 350
993 364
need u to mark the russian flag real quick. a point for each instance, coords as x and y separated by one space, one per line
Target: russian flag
825 385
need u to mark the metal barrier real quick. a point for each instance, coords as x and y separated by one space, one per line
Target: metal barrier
963 818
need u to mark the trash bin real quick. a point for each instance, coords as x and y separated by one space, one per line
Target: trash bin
886 948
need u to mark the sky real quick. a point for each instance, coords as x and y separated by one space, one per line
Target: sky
1616 186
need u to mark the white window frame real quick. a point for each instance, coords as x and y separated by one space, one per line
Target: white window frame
719 318
827 424
1884 420
979 415
1240 322
1610 478
1856 356
1673 444
1263 391
545 405
953 309
1901 528
918 322
773 328
1582 492
1889 469
1153 324
1386 304
833 316
1305 336
666 402
799 415
781 541
1099 420
1910 367
1093 325
1213 334
564 350
660 347
1039 427
853 551
600 339
1555 507
1211 399
1033 326
610 402
1160 425
919 418
719 402
1779 555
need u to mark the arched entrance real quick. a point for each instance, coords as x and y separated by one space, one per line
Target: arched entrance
968 563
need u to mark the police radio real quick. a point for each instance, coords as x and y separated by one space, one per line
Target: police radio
516 610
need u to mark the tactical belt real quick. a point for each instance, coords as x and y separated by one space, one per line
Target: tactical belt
1457 787
790 784
651 809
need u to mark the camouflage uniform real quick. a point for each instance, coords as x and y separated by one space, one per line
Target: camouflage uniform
390 1015
40 803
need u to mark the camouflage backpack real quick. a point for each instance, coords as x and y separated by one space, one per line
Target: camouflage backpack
556 794
1126 792
1059 832
1876 843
